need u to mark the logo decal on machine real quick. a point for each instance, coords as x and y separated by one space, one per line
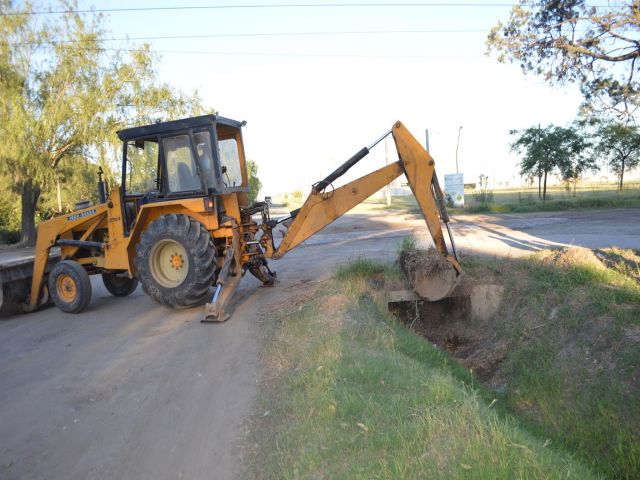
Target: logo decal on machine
81 214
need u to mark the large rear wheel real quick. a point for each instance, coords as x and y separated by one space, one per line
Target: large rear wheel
176 261
70 286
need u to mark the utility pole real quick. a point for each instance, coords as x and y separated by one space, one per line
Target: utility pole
457 146
387 188
426 143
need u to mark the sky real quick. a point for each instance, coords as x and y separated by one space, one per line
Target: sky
312 99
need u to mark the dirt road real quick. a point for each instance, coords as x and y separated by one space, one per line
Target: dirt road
129 389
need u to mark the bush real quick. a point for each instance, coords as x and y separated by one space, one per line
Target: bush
9 218
294 199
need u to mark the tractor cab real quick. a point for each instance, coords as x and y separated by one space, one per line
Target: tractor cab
193 157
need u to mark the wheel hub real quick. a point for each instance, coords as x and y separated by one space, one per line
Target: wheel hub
66 286
177 261
169 263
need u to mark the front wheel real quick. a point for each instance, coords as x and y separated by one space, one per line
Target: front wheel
176 261
70 286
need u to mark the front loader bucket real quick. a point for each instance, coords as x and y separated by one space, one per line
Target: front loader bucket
13 296
16 273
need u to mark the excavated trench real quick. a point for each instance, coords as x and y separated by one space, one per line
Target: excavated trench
461 323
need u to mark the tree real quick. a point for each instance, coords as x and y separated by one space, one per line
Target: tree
538 159
254 182
568 41
64 95
576 158
619 144
546 149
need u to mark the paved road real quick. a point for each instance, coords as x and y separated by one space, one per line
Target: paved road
129 389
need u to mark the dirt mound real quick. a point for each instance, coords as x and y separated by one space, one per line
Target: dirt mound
571 257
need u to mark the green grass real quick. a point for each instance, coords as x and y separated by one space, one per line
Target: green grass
576 378
351 393
526 201
572 371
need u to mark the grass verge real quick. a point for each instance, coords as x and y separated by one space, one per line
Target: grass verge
409 205
349 392
563 350
572 370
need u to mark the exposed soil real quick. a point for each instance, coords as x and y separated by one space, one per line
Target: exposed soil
468 323
461 324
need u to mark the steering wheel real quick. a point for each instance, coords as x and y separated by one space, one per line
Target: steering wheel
149 196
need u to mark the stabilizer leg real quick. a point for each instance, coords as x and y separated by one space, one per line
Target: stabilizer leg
226 284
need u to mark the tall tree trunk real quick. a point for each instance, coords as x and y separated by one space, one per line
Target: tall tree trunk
59 195
544 190
539 180
30 195
621 175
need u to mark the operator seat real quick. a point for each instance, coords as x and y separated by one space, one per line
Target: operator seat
186 179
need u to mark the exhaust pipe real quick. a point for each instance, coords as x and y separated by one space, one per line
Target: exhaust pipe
101 193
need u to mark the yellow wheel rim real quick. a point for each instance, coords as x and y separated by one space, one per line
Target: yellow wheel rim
66 287
169 263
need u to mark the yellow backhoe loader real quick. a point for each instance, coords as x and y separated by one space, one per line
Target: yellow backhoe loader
180 223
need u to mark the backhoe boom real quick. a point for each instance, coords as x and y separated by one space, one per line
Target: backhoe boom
323 207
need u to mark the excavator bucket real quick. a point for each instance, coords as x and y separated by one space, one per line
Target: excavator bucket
436 285
431 275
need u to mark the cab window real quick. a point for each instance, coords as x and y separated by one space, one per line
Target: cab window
203 148
142 173
182 174
230 162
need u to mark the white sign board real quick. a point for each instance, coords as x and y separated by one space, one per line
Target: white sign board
454 188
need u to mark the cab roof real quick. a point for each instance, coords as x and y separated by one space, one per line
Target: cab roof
164 128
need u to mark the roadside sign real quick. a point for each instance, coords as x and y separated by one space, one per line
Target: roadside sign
454 188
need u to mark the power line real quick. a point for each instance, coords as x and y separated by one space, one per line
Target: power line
310 55
264 6
263 34
287 54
